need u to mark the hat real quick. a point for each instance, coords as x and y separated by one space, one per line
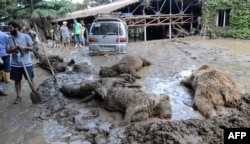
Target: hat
64 22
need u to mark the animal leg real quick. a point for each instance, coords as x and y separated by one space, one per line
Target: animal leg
130 111
225 93
141 116
88 98
134 73
204 105
187 82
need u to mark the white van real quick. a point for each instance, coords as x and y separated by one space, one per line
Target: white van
108 34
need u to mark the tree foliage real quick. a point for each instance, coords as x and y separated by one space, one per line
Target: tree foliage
6 8
35 9
239 16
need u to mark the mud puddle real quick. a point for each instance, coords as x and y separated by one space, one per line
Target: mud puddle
178 94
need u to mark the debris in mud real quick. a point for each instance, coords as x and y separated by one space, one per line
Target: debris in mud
130 64
213 89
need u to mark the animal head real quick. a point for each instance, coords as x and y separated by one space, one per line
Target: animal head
198 72
102 92
70 66
108 72
163 108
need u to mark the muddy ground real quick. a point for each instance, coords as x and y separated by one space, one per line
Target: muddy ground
60 120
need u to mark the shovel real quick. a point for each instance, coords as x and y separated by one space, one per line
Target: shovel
34 96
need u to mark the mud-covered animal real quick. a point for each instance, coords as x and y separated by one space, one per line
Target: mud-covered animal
135 104
82 67
212 89
88 88
129 64
59 65
80 91
57 62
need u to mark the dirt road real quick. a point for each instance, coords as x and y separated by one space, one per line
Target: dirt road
171 61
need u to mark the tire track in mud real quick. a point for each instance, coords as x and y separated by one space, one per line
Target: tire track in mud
187 53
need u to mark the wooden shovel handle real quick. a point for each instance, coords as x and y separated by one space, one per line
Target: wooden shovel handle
27 75
51 68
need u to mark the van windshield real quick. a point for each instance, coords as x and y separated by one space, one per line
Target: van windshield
107 28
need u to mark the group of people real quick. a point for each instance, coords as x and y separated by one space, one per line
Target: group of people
18 45
64 35
15 52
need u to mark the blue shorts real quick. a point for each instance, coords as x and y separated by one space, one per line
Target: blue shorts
16 73
82 38
77 38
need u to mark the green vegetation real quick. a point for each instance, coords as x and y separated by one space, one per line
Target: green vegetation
34 9
239 17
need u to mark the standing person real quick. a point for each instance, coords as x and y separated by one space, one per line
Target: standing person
82 33
20 52
65 34
77 31
198 24
51 32
35 40
56 28
5 72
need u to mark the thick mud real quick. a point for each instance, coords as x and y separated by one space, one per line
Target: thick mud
60 120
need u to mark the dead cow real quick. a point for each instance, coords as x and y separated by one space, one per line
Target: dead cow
212 89
129 64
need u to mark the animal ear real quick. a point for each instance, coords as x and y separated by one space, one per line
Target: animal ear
204 67
71 62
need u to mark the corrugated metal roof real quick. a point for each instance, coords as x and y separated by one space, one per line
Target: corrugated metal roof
98 9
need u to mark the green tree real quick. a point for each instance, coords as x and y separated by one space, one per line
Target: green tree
6 8
36 9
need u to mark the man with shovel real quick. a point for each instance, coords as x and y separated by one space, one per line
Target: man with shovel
20 49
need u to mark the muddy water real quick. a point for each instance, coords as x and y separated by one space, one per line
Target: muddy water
171 61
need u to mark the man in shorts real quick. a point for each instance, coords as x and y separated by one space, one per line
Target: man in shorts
20 53
65 34
77 33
